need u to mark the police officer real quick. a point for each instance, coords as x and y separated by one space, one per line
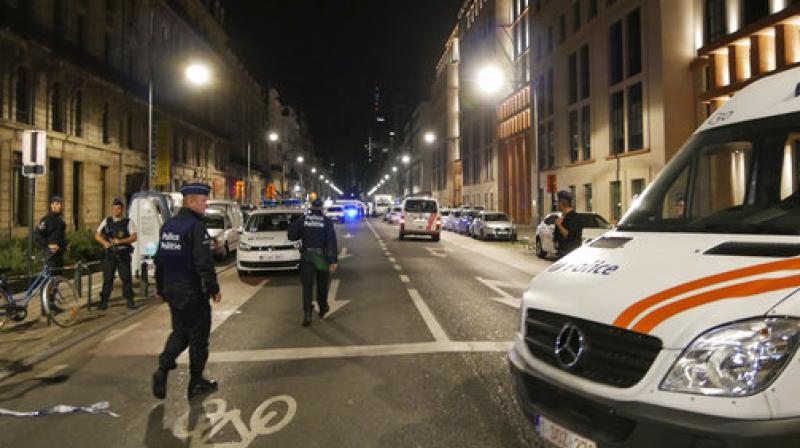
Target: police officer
569 229
51 232
116 233
186 278
318 257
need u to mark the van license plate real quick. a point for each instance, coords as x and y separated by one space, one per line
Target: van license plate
560 436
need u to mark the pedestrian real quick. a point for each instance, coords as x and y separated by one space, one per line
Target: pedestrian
569 229
117 233
318 257
186 278
52 233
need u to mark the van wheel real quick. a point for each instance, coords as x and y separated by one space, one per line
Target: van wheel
539 250
436 238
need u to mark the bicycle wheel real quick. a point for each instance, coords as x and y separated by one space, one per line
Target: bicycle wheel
5 307
62 302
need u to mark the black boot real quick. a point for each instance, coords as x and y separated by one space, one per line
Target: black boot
103 305
201 385
307 318
131 305
323 310
160 383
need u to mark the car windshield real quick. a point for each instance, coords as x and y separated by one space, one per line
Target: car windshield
741 178
495 217
214 221
594 221
421 206
266 222
397 209
334 209
220 207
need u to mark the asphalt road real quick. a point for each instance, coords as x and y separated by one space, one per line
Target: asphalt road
412 355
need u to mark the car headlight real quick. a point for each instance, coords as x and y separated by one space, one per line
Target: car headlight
245 246
735 360
297 244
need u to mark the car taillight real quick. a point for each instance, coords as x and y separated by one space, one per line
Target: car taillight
403 219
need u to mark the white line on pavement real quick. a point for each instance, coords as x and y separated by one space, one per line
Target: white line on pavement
335 305
398 268
430 320
116 334
405 279
393 260
52 371
505 298
356 351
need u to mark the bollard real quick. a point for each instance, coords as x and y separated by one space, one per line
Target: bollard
77 280
143 279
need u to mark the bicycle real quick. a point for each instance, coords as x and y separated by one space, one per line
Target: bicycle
59 299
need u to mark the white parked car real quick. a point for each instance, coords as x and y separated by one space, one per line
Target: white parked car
395 214
224 236
493 226
265 244
594 225
335 213
232 209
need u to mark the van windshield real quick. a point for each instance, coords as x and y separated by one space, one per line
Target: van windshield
214 221
267 222
221 207
741 178
494 217
421 206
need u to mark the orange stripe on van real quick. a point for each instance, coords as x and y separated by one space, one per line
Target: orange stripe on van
745 289
633 311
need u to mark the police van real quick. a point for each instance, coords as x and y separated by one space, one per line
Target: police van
680 327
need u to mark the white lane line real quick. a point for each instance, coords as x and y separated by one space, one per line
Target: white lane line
335 304
374 232
430 320
505 298
52 371
405 279
357 351
398 268
392 260
116 334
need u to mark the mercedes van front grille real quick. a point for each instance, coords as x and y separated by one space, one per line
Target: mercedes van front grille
597 352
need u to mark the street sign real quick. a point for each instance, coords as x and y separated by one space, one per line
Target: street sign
34 153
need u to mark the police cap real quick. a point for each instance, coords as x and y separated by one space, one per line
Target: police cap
58 199
117 201
196 188
564 196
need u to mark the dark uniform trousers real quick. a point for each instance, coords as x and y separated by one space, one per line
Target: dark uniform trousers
309 273
191 327
121 262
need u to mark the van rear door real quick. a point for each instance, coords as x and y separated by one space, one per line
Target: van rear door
421 215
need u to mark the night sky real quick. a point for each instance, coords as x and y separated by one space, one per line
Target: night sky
324 56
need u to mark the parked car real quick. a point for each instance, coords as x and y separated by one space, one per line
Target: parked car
224 236
462 226
232 209
450 222
149 210
247 209
493 226
352 212
395 214
594 225
265 244
335 213
421 217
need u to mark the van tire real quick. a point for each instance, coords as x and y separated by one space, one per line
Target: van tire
539 250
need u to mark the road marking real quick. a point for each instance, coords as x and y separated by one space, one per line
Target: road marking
398 268
343 254
437 252
505 298
374 232
358 351
52 371
392 260
405 279
335 305
430 320
116 334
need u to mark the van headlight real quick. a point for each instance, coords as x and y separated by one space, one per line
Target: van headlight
245 246
735 360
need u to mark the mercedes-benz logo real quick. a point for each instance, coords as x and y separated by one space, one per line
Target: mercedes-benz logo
569 345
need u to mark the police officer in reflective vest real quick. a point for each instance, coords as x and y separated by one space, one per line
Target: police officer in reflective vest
52 233
186 279
116 233
318 257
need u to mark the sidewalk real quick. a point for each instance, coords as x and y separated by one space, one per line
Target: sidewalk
23 344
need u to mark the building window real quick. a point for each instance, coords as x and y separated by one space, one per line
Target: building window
77 115
562 28
573 78
550 99
715 22
21 194
576 15
754 10
637 187
616 201
103 195
55 177
592 9
634 26
81 31
584 72
586 132
107 47
57 108
106 125
21 96
587 193
617 122
574 137
616 63
635 118
551 145
77 188
574 193
129 128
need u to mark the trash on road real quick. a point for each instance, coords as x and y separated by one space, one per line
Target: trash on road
101 407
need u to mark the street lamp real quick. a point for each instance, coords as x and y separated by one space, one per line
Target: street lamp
198 74
394 169
430 137
490 80
406 159
300 159
313 170
273 136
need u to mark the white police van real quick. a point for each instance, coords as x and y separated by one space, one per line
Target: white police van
680 327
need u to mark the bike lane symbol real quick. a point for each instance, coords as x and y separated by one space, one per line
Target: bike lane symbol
269 417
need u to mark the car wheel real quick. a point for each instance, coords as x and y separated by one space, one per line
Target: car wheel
436 238
539 249
483 235
241 273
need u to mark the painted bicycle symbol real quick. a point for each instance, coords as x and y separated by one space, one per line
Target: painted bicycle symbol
268 418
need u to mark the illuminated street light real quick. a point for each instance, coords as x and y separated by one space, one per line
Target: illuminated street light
490 80
430 137
394 169
406 159
321 177
198 74
300 159
313 170
273 136
297 188
386 177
